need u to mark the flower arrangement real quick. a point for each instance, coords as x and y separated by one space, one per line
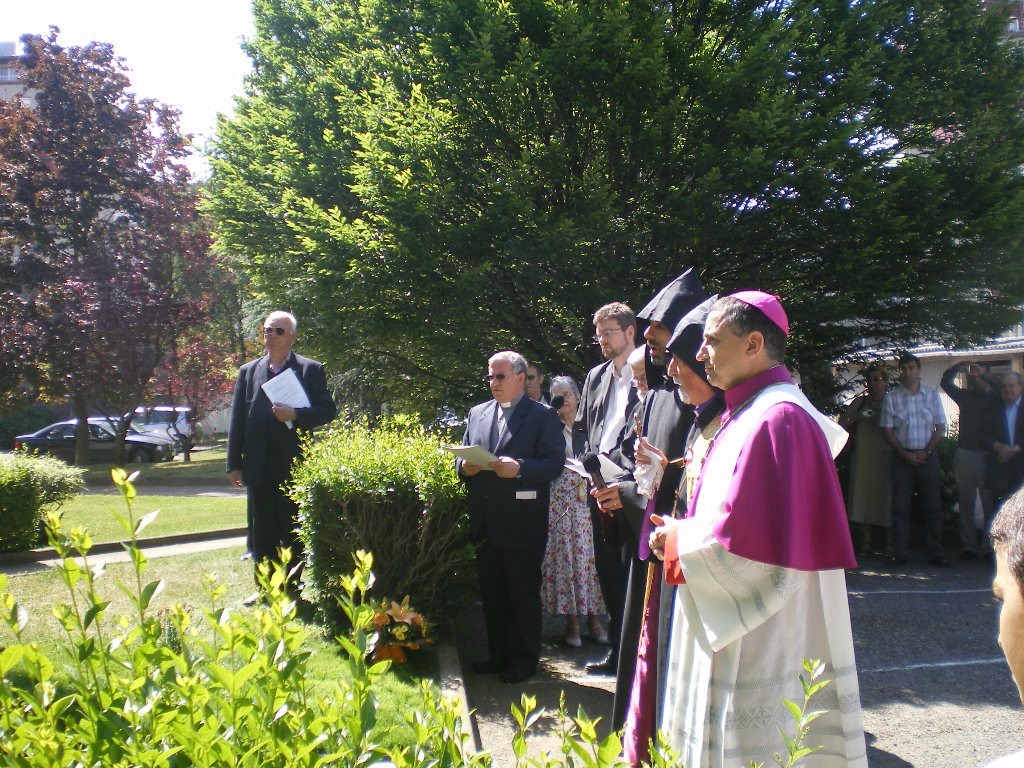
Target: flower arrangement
399 628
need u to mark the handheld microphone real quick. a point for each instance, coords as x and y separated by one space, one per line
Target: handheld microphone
592 464
557 402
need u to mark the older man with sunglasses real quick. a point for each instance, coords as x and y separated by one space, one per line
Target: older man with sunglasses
264 438
508 513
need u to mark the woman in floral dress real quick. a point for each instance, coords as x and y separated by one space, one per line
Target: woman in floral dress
570 586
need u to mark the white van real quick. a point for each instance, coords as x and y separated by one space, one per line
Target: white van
173 421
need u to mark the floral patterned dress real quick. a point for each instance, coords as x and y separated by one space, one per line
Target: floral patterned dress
569 576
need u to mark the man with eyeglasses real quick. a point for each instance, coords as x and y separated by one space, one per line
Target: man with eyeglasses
264 441
508 513
601 423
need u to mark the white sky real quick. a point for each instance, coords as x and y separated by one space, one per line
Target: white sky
185 53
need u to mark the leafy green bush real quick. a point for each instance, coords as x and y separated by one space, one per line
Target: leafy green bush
30 486
389 490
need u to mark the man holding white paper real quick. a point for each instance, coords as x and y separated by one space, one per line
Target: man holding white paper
276 398
508 513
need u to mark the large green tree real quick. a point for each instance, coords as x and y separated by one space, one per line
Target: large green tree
426 182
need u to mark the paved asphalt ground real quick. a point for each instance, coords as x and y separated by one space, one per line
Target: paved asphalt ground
935 689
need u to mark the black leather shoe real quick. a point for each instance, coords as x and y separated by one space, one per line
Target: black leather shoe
609 665
515 675
488 667
895 561
938 562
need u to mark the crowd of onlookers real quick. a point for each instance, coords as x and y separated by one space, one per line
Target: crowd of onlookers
893 453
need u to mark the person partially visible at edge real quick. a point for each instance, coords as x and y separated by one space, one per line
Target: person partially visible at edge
1006 429
569 584
913 422
759 563
974 400
508 513
535 384
870 493
606 398
1007 536
263 448
663 422
649 676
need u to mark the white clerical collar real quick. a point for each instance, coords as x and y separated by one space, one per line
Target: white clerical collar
513 404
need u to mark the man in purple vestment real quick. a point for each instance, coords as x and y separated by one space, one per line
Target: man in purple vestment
759 562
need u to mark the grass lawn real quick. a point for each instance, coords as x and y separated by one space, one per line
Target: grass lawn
183 583
205 468
178 514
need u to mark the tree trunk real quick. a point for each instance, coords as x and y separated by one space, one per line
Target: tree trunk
81 409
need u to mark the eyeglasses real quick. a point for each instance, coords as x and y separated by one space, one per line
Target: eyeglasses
271 329
605 334
495 377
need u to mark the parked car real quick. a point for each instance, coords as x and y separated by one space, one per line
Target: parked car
59 440
173 421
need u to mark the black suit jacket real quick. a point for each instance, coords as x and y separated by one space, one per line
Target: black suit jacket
667 421
591 415
257 441
534 439
1004 478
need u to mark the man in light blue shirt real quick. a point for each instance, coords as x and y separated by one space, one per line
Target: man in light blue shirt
913 423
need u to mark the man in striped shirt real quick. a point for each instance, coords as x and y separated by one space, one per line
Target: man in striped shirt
913 423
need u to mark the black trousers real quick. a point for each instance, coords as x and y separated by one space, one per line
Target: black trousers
274 518
510 583
613 575
926 479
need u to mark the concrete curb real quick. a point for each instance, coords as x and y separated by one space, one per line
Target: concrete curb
48 553
453 685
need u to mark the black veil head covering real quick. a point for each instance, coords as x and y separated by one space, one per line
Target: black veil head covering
674 300
688 335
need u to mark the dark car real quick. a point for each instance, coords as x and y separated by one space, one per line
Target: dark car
59 440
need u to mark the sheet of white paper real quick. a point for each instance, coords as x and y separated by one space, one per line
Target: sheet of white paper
286 389
474 454
609 468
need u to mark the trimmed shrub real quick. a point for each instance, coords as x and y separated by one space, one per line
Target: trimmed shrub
30 486
390 490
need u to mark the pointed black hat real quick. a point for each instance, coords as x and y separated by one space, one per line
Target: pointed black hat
674 300
688 335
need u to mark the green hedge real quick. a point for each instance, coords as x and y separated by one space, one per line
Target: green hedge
390 490
30 485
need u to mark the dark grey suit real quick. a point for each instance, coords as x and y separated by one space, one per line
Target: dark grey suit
508 523
264 449
608 556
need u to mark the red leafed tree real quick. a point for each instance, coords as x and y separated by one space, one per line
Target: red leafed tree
199 372
105 262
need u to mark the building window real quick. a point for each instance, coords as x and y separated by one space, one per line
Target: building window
8 73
